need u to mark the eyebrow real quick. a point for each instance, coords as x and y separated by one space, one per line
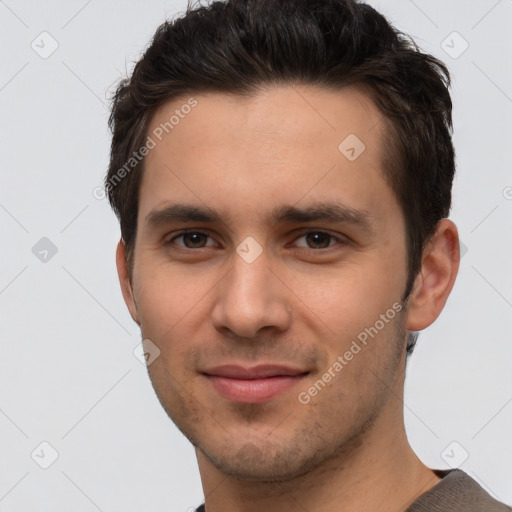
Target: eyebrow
324 211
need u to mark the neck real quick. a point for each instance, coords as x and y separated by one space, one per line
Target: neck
379 471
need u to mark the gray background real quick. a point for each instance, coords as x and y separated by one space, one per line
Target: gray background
68 375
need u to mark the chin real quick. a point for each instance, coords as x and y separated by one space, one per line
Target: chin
263 463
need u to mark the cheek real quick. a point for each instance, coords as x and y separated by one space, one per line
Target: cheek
369 358
168 295
348 297
364 315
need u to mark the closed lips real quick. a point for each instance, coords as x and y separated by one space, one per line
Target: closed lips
257 372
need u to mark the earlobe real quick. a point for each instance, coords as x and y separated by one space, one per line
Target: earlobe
440 264
125 280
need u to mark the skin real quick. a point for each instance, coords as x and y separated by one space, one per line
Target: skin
302 302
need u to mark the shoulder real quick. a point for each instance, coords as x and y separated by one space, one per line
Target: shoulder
457 492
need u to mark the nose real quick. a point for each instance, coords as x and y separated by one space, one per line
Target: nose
251 298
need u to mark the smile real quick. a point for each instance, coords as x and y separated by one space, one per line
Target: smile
257 385
253 390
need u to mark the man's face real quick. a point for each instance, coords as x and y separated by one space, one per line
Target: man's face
211 298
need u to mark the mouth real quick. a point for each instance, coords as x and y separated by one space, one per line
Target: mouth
255 385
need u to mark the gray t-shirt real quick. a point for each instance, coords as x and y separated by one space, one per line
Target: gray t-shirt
455 492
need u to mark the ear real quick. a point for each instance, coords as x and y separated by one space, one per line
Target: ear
125 281
440 264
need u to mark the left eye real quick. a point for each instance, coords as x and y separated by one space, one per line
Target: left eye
319 239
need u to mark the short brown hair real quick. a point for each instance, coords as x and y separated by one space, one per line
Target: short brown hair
238 46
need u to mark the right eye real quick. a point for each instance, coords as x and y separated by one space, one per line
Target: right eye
191 240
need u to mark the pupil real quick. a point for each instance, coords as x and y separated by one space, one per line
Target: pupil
316 239
195 237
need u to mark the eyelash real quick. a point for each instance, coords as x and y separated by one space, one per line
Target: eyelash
338 239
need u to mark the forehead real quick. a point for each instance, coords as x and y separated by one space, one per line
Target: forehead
283 144
277 114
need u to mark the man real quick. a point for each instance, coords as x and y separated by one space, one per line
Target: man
282 174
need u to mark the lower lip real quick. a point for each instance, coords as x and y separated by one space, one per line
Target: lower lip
254 391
